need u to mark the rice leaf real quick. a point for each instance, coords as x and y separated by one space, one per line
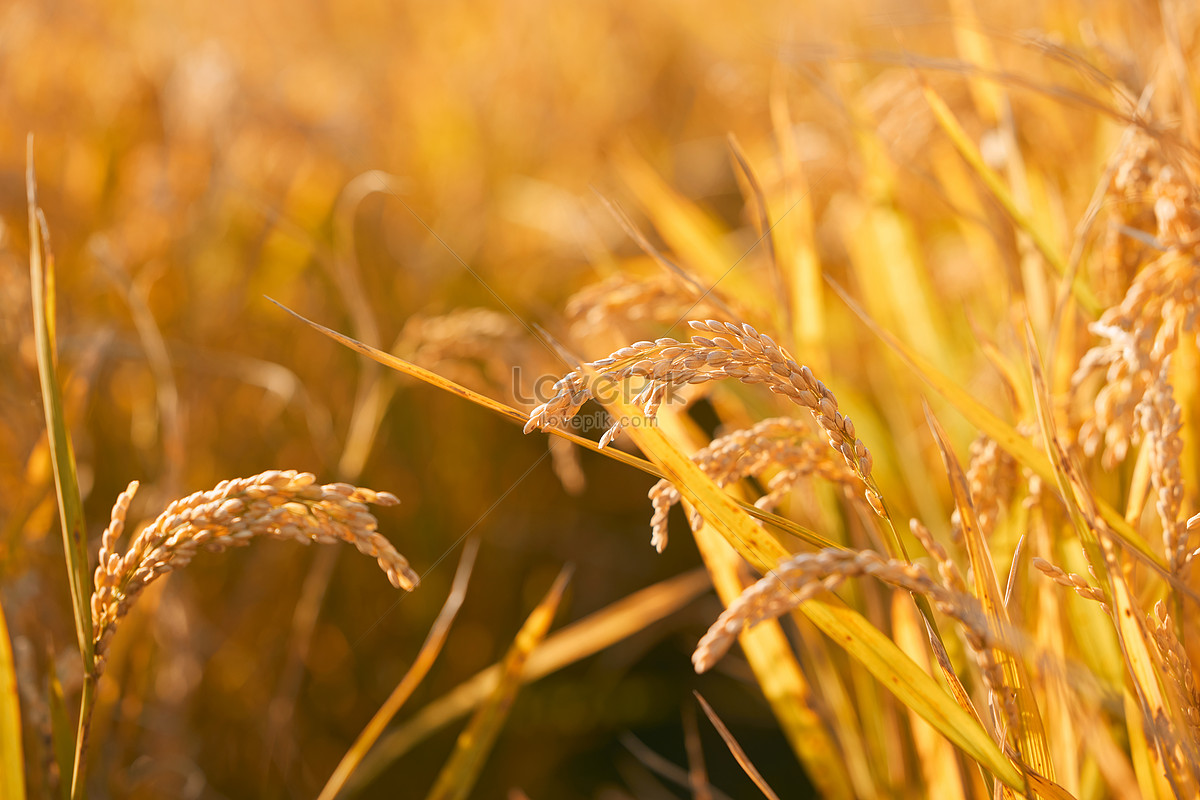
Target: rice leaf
12 759
937 759
1007 436
766 229
512 414
462 769
895 283
1031 734
795 243
66 482
783 684
1161 718
62 455
1151 785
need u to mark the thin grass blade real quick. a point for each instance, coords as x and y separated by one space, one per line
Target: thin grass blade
697 771
512 414
62 738
663 767
736 749
461 771
416 673
66 480
766 229
937 761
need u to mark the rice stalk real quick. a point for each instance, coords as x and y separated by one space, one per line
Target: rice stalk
42 278
1017 705
838 767
1159 716
862 640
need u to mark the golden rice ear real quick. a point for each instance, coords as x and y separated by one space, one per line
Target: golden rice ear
801 578
783 446
1161 422
282 504
622 302
1154 276
736 352
1178 670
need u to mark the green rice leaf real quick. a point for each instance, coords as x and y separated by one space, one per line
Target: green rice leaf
66 482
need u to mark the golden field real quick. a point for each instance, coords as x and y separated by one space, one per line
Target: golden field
957 243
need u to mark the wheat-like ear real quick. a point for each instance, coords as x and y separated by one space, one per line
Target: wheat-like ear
473 346
783 444
1132 170
730 351
992 477
598 308
803 577
1160 300
1071 580
281 504
1141 332
1160 420
952 577
1178 669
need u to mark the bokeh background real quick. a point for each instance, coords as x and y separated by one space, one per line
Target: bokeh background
368 163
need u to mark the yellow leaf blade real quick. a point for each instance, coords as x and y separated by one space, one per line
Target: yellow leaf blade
12 760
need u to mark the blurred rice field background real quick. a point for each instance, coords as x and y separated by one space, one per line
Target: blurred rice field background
378 166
